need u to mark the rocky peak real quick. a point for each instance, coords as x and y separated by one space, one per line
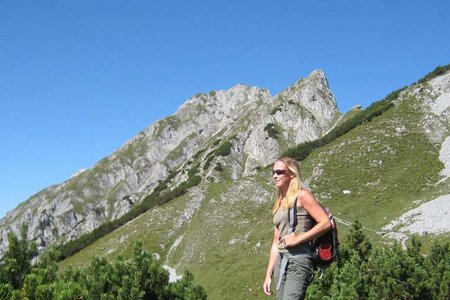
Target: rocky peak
258 126
224 105
314 94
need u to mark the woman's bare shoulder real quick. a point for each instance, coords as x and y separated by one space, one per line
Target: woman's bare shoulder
304 193
305 196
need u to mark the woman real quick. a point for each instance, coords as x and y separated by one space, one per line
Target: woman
293 249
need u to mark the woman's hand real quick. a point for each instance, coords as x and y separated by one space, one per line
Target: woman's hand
266 286
272 261
290 240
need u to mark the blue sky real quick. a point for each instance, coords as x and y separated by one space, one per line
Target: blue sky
80 78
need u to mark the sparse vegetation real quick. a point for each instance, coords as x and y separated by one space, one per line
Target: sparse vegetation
224 149
301 151
218 167
199 95
160 196
271 130
276 109
436 72
207 163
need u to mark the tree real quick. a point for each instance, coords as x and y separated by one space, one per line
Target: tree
184 289
140 277
17 259
384 271
356 241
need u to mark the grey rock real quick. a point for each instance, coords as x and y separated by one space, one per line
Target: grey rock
240 115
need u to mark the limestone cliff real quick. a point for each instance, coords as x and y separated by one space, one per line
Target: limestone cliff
256 125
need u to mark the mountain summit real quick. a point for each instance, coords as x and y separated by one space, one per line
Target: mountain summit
251 125
195 188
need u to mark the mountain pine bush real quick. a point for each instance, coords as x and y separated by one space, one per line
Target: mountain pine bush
384 272
141 277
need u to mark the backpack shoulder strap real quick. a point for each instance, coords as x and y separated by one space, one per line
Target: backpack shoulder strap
292 217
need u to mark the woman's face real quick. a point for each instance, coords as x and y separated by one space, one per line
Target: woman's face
281 175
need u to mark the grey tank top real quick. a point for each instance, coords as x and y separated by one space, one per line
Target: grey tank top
304 223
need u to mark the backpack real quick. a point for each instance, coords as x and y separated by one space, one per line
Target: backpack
326 246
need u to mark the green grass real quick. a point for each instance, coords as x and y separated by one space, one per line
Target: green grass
215 243
347 116
177 153
223 234
388 164
151 228
384 170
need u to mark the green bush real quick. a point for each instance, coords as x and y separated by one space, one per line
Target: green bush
17 260
271 130
141 277
218 167
224 149
439 70
384 272
276 109
207 162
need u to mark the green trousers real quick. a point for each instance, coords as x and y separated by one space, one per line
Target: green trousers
296 277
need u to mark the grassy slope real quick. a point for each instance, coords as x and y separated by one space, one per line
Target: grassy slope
226 241
228 234
388 165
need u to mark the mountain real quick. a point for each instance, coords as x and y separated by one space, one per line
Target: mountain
255 126
390 172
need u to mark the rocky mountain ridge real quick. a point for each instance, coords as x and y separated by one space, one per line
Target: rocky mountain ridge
386 170
257 126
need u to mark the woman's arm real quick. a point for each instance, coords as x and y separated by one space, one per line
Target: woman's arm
308 202
272 261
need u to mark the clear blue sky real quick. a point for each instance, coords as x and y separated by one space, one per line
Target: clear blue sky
80 78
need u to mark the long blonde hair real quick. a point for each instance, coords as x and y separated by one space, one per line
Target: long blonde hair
295 185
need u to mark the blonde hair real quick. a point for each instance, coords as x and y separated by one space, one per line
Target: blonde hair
295 185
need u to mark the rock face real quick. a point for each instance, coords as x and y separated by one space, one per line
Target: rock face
256 126
422 220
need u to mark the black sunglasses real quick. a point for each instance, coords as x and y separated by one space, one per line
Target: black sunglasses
279 172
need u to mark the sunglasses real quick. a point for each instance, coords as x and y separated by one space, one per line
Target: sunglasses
278 172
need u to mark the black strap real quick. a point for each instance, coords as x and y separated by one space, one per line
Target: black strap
292 217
